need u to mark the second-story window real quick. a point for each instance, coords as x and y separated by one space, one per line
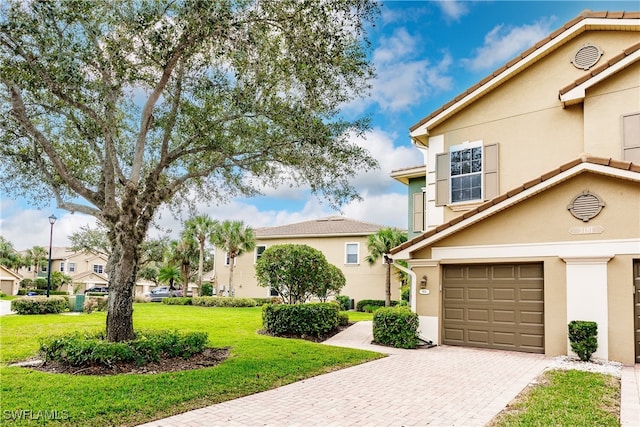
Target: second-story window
352 253
259 250
62 267
466 173
98 268
72 267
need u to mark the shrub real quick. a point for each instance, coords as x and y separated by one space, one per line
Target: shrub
343 318
40 283
223 302
26 283
140 299
396 326
206 290
178 301
312 319
270 300
373 302
149 346
405 292
371 308
41 292
583 336
344 301
40 305
95 303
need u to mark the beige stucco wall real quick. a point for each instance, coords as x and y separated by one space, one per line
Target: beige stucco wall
362 280
525 117
541 221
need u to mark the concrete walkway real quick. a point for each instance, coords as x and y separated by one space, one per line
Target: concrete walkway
5 308
441 386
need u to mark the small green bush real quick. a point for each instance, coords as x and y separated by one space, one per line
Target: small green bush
148 346
344 301
40 283
371 308
178 301
312 319
206 290
360 306
343 318
40 305
223 302
583 336
396 327
270 300
95 303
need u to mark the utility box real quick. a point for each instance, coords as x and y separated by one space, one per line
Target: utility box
79 305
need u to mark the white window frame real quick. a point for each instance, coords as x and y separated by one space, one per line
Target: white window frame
462 147
346 253
256 255
72 267
62 266
98 268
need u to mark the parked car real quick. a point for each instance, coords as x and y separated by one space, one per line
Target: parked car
157 294
98 289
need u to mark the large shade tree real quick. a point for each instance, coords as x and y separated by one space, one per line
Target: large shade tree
379 246
120 107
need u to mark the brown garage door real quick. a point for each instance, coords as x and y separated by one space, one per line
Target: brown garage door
497 306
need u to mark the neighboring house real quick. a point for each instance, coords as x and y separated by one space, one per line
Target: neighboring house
86 269
9 281
527 214
343 241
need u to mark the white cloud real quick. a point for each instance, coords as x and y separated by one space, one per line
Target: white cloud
452 9
26 228
504 42
404 76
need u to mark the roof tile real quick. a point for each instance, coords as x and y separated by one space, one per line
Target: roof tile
323 226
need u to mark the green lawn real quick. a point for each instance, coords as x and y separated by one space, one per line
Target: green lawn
565 398
256 363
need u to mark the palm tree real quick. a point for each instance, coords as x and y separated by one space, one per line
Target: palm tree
200 228
37 257
183 254
169 274
9 257
235 238
379 246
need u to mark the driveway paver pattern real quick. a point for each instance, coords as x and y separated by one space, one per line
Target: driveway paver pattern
440 386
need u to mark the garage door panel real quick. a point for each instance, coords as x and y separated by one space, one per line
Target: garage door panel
478 294
478 315
505 311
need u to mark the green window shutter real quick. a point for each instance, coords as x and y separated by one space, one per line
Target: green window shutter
442 179
418 211
490 171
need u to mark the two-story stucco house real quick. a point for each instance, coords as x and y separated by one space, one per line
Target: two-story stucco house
527 213
343 241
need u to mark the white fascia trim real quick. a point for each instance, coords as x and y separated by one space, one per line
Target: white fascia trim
578 93
585 250
595 23
569 173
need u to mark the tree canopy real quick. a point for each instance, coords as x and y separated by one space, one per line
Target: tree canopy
379 246
119 107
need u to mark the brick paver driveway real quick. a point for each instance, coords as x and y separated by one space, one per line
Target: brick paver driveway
441 386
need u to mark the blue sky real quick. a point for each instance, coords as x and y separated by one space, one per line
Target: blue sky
425 53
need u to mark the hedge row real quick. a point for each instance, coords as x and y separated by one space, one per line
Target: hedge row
41 292
312 319
223 302
396 327
40 305
93 349
360 306
178 301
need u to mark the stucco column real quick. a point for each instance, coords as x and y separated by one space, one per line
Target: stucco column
587 296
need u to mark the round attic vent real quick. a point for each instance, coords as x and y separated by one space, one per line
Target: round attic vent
587 56
586 206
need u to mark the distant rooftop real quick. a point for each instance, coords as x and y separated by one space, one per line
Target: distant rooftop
333 225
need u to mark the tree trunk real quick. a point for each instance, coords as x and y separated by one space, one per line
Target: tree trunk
200 266
387 301
231 262
122 279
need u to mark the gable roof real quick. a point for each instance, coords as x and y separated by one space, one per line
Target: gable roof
90 274
322 227
405 174
586 21
575 91
609 167
4 271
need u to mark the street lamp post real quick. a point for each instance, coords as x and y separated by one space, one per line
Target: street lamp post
52 220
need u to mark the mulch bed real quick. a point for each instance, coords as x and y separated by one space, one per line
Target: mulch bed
210 357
